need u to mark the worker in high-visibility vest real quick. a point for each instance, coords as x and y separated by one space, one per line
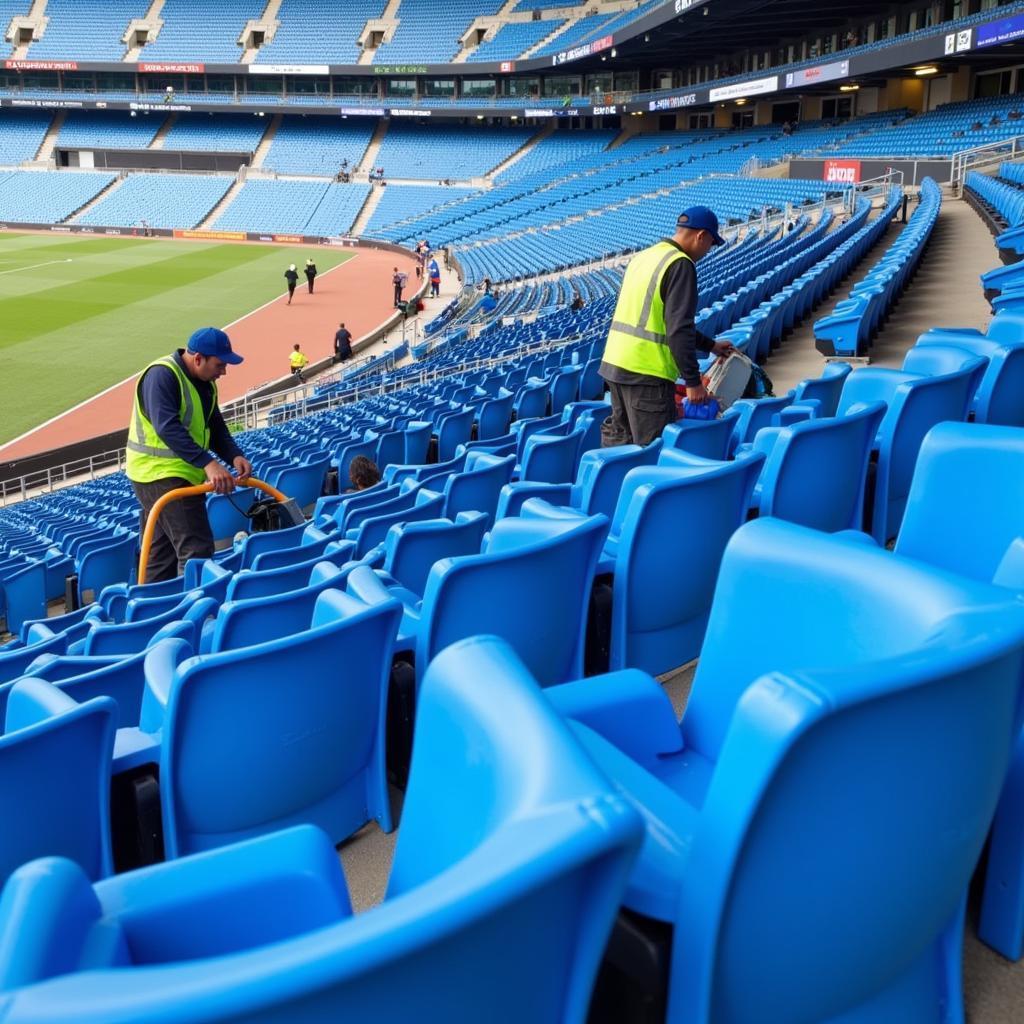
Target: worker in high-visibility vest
176 431
653 339
298 361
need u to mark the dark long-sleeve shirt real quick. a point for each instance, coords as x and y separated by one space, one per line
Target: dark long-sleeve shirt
679 293
161 405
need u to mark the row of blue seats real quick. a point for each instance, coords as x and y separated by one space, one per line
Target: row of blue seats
853 323
762 729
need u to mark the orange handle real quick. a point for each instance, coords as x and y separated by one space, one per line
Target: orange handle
186 492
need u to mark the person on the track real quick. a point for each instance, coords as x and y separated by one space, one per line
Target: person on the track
310 274
291 276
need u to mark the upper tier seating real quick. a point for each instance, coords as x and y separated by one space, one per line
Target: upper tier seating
96 129
435 152
89 31
318 145
11 9
233 133
161 200
315 31
430 32
196 31
514 38
21 134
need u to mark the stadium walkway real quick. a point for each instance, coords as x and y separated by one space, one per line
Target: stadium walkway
945 292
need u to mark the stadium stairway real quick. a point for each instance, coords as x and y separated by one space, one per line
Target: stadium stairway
147 20
559 31
942 291
372 200
265 143
369 159
268 18
790 362
546 131
98 198
45 152
161 136
226 200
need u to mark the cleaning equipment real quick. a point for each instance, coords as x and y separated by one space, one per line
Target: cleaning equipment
279 513
728 378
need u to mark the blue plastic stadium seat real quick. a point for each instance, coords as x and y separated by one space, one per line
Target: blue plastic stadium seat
975 530
510 839
529 585
915 405
305 716
816 470
671 525
895 711
55 757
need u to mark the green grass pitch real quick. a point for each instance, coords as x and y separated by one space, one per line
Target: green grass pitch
78 315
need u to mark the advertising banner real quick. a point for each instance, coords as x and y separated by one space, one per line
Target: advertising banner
743 89
843 172
213 236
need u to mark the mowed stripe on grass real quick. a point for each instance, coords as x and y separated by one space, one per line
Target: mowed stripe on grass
70 330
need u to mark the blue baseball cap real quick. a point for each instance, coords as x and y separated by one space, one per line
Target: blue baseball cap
701 218
209 341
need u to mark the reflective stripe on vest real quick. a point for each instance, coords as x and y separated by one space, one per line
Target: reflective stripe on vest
638 340
148 456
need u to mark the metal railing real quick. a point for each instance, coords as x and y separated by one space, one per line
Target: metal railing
45 481
983 156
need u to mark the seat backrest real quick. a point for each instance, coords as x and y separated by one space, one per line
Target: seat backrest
304 483
270 540
552 460
708 438
825 389
913 750
478 488
816 471
274 734
453 430
863 609
530 586
241 623
411 551
964 508
55 757
915 405
675 521
494 416
601 472
511 839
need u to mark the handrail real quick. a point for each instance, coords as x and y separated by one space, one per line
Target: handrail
186 492
965 160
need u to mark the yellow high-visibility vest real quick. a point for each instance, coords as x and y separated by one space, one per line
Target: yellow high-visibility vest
638 341
148 457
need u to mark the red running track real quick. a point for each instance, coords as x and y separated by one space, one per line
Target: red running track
358 291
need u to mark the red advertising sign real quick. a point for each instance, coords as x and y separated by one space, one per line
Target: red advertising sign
842 172
41 65
507 65
177 69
